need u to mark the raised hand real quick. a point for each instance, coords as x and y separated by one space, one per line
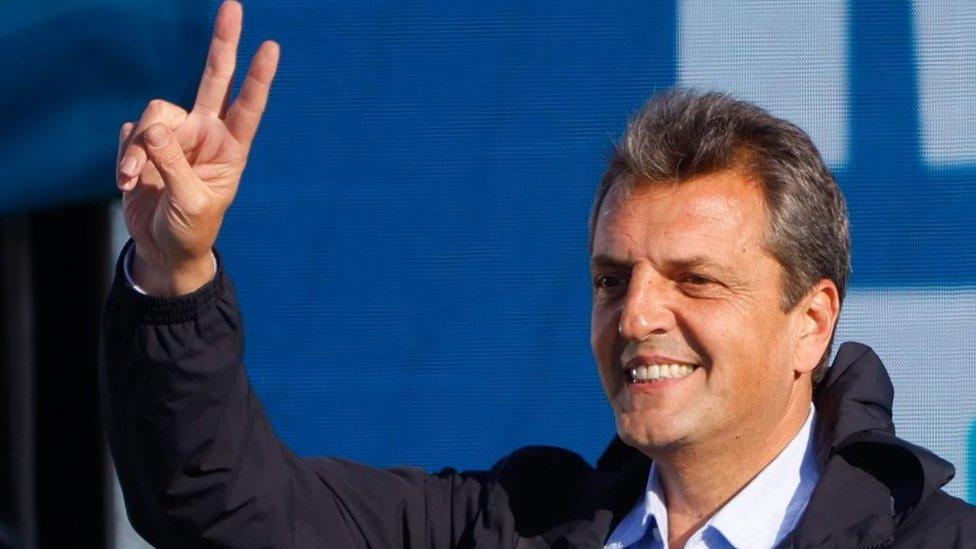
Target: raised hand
179 171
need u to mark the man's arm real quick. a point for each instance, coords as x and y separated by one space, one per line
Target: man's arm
200 464
196 455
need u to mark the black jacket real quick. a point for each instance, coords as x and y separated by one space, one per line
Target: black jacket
201 467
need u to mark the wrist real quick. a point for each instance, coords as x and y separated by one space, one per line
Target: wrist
171 279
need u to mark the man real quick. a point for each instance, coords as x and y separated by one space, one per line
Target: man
720 256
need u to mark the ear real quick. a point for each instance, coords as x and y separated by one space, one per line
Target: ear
817 315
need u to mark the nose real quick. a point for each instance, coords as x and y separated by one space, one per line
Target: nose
645 310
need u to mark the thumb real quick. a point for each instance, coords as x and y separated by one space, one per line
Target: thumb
164 151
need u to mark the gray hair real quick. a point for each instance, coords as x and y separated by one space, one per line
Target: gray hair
681 134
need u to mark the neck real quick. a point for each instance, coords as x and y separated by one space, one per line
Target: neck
699 479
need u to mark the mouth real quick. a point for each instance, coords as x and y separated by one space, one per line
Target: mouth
655 373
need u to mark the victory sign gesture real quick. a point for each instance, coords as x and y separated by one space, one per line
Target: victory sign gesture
179 171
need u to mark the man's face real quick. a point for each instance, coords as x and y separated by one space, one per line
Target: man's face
681 277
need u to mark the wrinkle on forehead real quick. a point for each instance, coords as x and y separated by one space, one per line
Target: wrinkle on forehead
720 209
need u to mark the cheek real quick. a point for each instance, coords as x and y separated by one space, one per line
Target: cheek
728 339
746 348
713 328
603 339
603 332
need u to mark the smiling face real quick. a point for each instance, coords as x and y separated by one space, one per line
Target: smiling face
692 345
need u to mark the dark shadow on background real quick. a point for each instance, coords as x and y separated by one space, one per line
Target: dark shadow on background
70 79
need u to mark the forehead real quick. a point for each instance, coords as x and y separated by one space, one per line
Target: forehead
719 212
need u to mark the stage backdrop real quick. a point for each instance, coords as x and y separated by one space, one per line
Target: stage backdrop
409 242
73 72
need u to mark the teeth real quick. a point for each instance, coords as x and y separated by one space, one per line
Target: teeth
660 371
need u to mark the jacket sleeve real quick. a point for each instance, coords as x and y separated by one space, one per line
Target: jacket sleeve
200 465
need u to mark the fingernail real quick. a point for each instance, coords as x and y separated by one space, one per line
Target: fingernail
129 166
156 136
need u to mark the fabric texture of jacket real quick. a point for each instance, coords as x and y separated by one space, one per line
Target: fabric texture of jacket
200 465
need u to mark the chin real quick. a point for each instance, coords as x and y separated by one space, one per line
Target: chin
650 437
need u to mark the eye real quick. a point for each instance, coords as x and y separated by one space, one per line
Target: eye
608 282
697 280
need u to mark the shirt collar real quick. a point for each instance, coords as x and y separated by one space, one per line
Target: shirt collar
768 508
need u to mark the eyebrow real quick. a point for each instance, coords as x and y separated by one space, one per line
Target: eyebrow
693 262
604 260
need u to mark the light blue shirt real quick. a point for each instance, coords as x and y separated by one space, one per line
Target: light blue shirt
763 513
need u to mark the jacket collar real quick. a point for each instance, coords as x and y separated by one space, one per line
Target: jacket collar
871 480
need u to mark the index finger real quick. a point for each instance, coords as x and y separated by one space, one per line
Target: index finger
219 70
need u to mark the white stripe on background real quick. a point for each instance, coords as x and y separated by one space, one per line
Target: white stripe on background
122 534
788 57
945 54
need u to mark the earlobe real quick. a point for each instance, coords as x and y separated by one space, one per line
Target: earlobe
819 311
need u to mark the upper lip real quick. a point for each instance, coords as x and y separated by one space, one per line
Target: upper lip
648 360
